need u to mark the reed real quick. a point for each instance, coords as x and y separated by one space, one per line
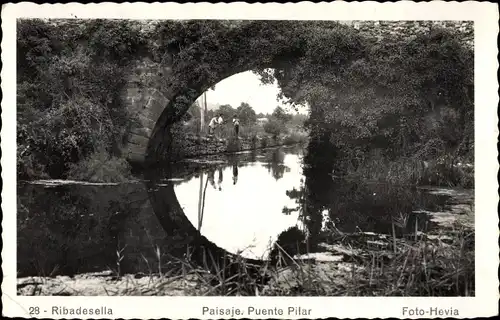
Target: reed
422 268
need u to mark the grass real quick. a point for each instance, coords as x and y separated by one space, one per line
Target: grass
426 267
404 262
397 264
295 136
248 132
100 167
407 171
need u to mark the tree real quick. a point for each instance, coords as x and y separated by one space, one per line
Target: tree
227 111
298 119
69 106
386 96
280 115
274 127
246 114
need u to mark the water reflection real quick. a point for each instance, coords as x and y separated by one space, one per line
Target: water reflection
211 177
275 164
72 229
220 178
235 171
245 214
279 194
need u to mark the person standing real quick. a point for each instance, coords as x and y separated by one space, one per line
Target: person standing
211 126
220 122
215 122
236 124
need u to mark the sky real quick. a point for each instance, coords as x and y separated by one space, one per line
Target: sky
246 87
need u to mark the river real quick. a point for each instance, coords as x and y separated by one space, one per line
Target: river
247 200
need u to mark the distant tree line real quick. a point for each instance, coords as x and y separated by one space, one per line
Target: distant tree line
277 122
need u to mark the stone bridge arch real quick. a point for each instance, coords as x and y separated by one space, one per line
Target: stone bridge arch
185 58
149 141
164 84
177 105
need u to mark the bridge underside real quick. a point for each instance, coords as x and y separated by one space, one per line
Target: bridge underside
162 99
162 86
159 93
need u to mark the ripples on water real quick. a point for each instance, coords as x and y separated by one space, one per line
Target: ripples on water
249 199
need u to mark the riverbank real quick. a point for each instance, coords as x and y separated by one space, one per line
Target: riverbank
187 145
439 262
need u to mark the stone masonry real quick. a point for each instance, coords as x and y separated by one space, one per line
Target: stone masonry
146 77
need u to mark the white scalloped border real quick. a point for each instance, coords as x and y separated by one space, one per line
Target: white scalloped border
485 16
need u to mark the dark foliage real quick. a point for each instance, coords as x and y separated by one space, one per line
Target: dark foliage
70 77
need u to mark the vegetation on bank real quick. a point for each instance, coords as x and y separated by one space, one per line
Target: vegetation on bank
69 105
401 110
398 112
411 268
403 98
276 125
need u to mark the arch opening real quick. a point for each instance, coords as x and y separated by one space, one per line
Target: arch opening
255 45
280 57
171 214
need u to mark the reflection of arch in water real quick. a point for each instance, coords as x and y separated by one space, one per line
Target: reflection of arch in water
79 228
175 223
172 217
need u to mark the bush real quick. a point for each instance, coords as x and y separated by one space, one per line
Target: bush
289 243
409 171
295 136
28 166
69 94
264 143
100 167
275 127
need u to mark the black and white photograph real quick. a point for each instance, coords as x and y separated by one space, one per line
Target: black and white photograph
245 157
